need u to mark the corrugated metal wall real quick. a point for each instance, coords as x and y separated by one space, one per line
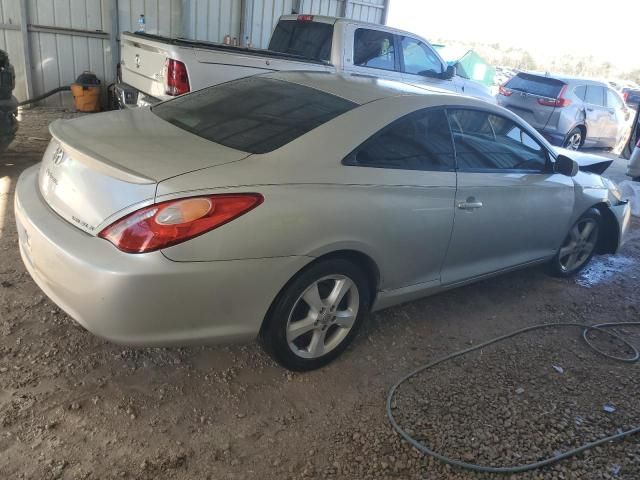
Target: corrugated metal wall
58 58
11 41
211 20
162 17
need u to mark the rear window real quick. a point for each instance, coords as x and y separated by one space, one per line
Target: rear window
255 115
311 40
536 85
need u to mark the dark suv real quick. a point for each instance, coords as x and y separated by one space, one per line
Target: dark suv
569 112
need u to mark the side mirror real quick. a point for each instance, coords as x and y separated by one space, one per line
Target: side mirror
449 73
566 166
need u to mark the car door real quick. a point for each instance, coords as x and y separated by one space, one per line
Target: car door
374 54
618 118
421 65
511 208
410 173
596 115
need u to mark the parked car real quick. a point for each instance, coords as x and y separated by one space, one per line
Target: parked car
288 205
155 68
569 112
631 97
633 168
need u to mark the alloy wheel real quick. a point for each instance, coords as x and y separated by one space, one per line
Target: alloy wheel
323 316
579 245
574 141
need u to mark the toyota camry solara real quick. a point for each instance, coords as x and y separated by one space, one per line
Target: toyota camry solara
287 206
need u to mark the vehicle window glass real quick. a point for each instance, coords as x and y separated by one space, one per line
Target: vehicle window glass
535 85
489 142
595 95
580 92
374 49
419 58
613 100
308 39
254 114
419 141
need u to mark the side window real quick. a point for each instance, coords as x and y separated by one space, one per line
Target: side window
419 141
489 142
419 58
580 92
613 101
374 49
595 95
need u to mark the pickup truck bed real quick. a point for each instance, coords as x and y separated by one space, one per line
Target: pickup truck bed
143 59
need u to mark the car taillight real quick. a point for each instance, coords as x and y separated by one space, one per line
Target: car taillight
168 223
305 18
625 96
505 91
176 79
559 102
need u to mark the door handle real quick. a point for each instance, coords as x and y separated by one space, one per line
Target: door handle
470 204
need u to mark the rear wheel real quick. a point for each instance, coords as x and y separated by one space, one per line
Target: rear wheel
317 315
574 140
579 247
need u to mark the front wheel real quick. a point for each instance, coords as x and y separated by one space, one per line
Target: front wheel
317 315
579 246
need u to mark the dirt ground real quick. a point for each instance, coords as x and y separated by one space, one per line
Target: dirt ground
73 406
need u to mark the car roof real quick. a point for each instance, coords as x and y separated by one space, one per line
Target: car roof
359 89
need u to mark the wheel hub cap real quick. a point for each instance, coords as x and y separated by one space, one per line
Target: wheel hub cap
323 316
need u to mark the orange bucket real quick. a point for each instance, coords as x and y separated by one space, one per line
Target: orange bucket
86 93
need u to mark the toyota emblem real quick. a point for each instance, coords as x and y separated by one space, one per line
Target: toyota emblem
58 156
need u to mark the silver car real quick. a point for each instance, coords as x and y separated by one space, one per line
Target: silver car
568 112
288 205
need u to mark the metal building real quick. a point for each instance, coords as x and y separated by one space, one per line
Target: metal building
50 42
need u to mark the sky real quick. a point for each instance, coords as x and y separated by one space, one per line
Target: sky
609 31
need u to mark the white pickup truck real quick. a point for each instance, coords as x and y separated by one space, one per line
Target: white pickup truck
155 68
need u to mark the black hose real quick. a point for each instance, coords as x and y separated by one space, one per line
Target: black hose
65 88
530 466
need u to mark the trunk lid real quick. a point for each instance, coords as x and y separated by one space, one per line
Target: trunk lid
526 89
97 166
142 64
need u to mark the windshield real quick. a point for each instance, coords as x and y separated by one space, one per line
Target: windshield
254 114
311 40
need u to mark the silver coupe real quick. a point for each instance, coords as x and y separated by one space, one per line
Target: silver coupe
286 206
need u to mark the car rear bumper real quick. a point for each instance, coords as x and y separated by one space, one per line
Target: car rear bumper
130 97
554 138
143 299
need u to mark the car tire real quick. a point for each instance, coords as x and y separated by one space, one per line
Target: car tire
317 315
579 246
574 140
635 179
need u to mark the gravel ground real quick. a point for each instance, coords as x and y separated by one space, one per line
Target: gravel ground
73 406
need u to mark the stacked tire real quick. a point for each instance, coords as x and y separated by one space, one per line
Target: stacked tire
8 103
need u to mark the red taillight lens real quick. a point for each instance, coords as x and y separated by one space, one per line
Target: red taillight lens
305 18
505 91
176 221
559 102
625 96
176 79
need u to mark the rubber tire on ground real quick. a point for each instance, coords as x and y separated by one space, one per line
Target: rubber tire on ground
635 179
554 268
273 335
575 130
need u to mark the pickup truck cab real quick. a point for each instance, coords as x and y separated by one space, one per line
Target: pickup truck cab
156 68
